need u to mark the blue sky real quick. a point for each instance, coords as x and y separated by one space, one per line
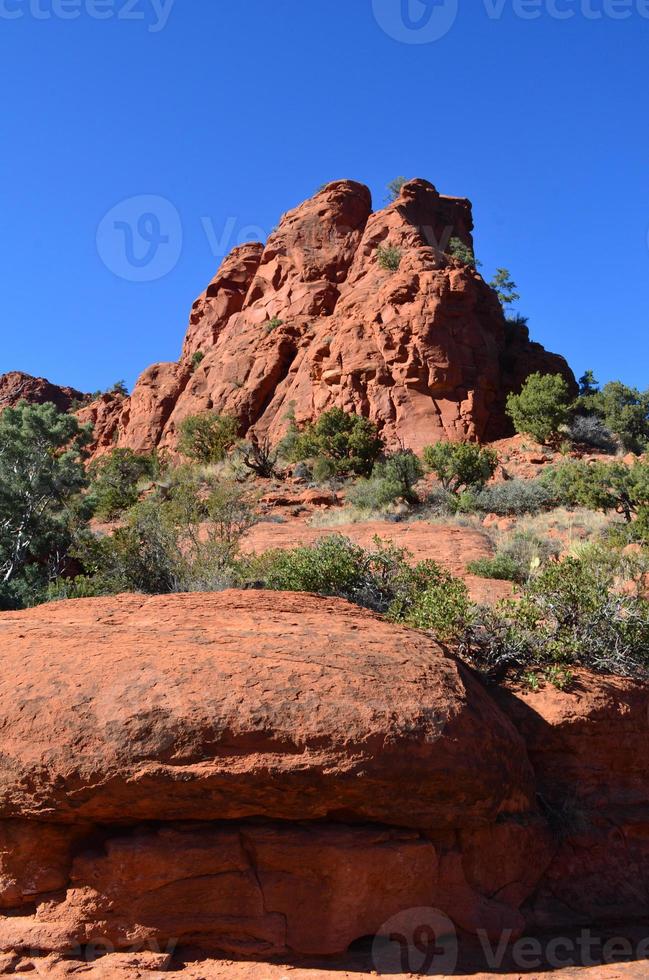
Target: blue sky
233 112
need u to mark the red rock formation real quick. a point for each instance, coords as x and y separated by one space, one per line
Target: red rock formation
265 773
314 320
16 387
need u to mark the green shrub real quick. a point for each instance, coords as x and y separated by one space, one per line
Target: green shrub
589 430
502 567
391 480
381 579
115 479
602 486
458 250
389 257
572 614
207 438
197 359
516 497
273 324
542 407
505 288
394 188
623 410
460 466
41 477
185 538
345 443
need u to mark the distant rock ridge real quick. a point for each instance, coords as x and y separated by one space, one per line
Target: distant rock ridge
16 386
314 319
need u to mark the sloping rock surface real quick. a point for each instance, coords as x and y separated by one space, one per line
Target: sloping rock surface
17 386
314 319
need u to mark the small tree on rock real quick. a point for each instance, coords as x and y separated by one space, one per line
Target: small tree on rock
542 407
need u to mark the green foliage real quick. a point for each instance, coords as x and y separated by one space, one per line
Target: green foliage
518 558
516 497
623 410
184 538
391 480
423 595
394 188
119 388
602 486
588 384
341 443
501 567
207 438
389 257
505 288
197 359
273 324
571 614
458 250
542 407
460 466
41 476
115 479
589 430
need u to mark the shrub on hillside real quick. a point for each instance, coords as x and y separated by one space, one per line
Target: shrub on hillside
542 407
388 257
115 479
393 479
623 410
518 558
207 438
460 466
602 486
183 539
590 430
458 250
41 477
516 497
572 614
340 442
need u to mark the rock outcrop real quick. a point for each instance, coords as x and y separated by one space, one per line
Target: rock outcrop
264 773
315 319
16 387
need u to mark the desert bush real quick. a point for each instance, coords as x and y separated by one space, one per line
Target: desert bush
41 478
196 360
623 410
381 579
339 444
115 478
458 250
501 567
515 497
505 288
519 557
394 188
393 479
388 257
542 407
185 538
460 466
207 438
572 614
589 430
259 457
602 486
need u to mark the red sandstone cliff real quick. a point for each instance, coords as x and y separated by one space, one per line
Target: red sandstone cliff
313 320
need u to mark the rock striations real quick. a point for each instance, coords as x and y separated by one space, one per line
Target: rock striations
264 773
314 319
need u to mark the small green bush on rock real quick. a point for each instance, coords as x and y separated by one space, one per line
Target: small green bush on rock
460 466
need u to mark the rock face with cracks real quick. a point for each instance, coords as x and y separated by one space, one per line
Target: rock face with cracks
315 319
267 773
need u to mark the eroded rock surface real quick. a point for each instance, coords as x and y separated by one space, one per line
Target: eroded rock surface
314 319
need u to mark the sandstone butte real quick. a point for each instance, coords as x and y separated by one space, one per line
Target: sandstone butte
312 320
261 775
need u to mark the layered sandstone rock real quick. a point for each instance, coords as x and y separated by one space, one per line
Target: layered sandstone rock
17 386
313 319
263 773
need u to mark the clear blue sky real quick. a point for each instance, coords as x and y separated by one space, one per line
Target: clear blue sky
239 109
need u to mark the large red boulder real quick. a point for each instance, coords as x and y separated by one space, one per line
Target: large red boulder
16 387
